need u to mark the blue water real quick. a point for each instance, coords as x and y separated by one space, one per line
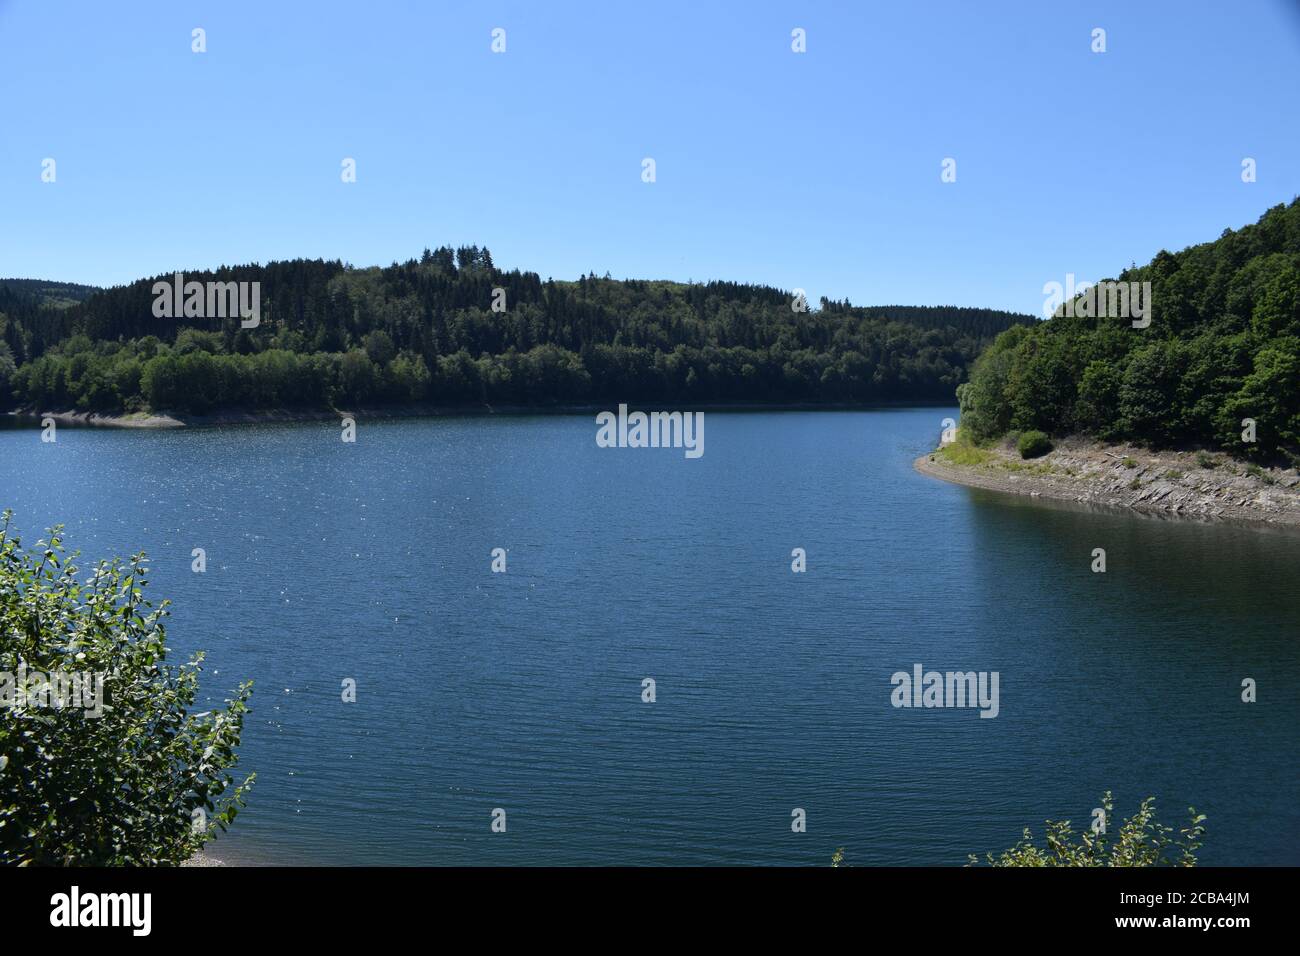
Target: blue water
523 690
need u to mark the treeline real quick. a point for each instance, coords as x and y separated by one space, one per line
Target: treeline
16 294
985 323
1223 346
427 330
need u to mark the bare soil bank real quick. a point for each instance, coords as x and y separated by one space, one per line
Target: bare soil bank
1169 483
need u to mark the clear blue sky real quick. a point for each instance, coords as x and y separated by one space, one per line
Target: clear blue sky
818 170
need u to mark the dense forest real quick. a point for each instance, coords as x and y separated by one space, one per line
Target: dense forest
332 335
1223 345
19 294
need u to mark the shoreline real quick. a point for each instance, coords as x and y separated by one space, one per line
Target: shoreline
1160 483
202 859
220 417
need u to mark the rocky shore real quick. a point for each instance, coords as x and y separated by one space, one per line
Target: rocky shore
1169 483
201 859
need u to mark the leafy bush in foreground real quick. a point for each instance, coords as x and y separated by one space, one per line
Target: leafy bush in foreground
1141 841
144 783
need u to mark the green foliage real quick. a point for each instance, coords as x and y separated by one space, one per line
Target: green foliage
1148 393
121 788
1042 386
40 292
985 410
1097 408
1033 444
1270 394
424 331
8 369
963 451
1223 345
379 347
1140 841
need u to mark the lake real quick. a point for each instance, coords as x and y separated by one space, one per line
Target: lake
523 690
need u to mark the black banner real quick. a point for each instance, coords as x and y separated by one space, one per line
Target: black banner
336 905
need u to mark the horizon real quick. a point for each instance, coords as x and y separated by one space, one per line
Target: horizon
545 164
550 278
813 305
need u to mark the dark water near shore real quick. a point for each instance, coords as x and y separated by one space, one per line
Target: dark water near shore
523 690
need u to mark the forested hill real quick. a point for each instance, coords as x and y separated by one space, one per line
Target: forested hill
1222 346
426 330
42 293
982 322
23 301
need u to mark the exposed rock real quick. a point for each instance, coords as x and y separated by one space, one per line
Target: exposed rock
1171 483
